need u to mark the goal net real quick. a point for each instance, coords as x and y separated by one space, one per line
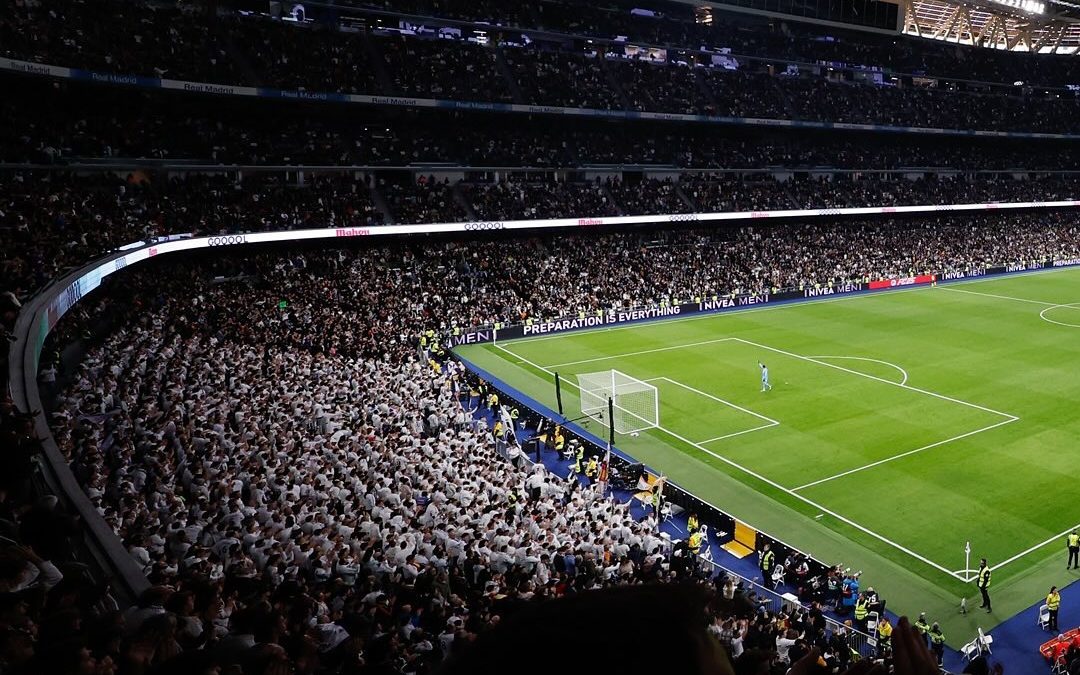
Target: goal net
636 403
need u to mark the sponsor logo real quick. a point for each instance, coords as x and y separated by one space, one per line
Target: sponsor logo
946 276
729 302
683 217
153 251
208 88
759 214
719 303
228 240
1066 263
1021 266
113 78
305 95
120 263
590 221
485 225
352 232
902 281
838 289
31 68
476 337
389 100
744 300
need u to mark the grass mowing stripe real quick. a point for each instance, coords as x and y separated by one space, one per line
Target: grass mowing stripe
903 454
995 295
643 351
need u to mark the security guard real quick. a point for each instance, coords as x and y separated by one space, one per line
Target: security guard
768 558
937 642
884 631
923 628
1053 603
1073 543
560 442
696 541
984 585
692 523
861 609
578 456
493 401
592 469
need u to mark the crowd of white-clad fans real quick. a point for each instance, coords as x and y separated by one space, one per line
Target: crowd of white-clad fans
307 493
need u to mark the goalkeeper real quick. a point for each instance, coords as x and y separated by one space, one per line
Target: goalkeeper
765 386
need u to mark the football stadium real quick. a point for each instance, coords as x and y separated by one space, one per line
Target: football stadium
455 337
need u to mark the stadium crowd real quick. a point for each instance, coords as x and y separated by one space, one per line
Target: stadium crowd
243 50
307 492
308 487
65 123
50 221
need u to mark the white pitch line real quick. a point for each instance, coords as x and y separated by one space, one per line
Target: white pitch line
876 378
739 433
862 358
1036 547
774 484
995 295
717 398
1071 305
643 351
902 455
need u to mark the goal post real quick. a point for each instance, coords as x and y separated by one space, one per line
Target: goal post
635 404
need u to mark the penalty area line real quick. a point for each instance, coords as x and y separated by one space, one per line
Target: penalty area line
775 485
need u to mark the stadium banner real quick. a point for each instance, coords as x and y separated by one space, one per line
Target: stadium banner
44 70
902 281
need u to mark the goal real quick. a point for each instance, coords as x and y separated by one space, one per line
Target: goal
636 403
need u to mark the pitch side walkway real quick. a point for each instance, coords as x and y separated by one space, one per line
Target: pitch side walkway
1017 640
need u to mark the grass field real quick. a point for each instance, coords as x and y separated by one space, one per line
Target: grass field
901 425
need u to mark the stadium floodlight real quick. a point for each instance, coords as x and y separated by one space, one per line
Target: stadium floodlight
636 404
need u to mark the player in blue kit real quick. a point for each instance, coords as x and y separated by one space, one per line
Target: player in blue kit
765 386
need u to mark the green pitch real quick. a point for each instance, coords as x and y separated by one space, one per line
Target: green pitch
900 426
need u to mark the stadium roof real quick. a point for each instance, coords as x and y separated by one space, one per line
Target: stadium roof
1038 26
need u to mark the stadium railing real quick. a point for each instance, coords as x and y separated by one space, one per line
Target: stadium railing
99 547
